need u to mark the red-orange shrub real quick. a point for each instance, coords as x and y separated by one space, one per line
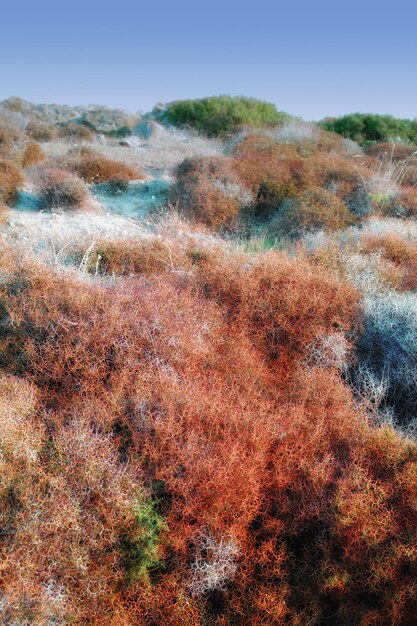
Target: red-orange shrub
194 391
315 209
61 189
403 204
40 131
271 176
94 168
10 181
32 155
340 175
208 191
284 304
147 257
8 136
275 172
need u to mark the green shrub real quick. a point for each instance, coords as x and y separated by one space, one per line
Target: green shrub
366 128
142 547
219 115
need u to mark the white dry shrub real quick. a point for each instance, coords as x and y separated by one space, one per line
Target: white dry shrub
382 186
330 351
351 146
317 240
372 392
389 175
233 190
387 354
293 131
406 229
215 563
363 271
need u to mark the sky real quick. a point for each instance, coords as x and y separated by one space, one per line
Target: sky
312 58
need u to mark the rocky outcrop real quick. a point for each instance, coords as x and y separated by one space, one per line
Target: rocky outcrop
114 122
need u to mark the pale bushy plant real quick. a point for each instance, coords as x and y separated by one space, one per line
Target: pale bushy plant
387 352
294 131
214 565
234 190
330 350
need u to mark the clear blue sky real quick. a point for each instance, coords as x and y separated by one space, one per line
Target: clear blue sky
312 58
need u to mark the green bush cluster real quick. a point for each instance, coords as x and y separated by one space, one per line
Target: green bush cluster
142 548
366 128
219 115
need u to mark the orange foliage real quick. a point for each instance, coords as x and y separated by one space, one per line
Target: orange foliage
94 168
207 191
10 180
40 131
32 155
126 257
275 172
403 204
340 175
8 136
271 176
196 389
315 209
76 131
61 189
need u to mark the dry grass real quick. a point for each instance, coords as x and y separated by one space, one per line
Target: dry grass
392 151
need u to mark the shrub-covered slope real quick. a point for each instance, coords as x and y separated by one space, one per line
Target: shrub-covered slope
196 429
185 452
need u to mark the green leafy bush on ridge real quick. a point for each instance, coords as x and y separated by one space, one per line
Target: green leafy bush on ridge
218 115
366 128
